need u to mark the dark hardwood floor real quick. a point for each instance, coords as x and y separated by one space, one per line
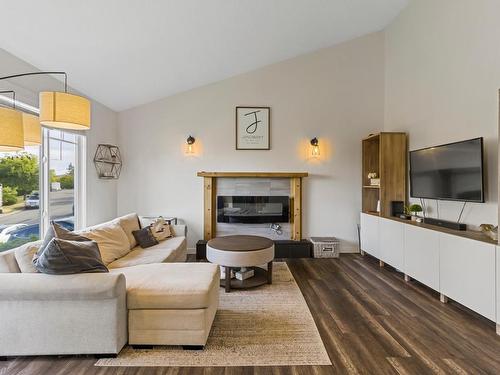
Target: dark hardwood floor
371 322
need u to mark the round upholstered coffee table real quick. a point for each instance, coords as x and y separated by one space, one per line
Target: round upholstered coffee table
246 252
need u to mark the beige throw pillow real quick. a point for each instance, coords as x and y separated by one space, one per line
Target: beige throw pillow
24 256
112 240
129 223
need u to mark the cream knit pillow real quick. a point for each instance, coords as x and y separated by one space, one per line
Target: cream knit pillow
161 229
24 256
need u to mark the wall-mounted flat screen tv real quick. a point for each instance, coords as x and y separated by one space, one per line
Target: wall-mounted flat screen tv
449 172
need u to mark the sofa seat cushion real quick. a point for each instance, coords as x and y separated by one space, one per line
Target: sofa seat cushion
171 285
165 251
112 241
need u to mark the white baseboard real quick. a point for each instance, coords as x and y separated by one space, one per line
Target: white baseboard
348 249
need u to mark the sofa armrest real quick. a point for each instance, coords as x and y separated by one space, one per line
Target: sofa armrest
41 287
179 230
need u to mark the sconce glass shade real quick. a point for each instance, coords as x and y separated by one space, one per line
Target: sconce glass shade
32 130
315 151
315 147
64 111
11 130
190 142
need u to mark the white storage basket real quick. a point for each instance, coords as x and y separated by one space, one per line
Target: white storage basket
325 247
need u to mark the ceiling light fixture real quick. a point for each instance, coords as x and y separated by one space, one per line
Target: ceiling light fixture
61 110
32 130
19 104
11 127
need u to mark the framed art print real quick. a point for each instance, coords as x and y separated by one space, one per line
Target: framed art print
253 128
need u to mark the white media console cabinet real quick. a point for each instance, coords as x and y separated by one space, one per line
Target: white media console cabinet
463 266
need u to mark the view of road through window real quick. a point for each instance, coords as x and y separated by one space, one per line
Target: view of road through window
20 193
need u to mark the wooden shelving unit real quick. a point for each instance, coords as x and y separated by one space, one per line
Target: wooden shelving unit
386 154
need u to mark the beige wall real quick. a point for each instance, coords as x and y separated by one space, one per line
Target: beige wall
442 81
101 194
437 68
335 94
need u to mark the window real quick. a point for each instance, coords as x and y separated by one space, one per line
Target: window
40 184
62 161
20 197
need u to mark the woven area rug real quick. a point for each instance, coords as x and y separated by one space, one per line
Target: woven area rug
266 326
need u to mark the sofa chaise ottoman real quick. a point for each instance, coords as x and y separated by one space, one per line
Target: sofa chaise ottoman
171 304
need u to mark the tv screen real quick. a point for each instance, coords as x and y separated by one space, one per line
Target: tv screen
449 172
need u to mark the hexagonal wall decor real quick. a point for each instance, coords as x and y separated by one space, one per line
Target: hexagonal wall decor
108 161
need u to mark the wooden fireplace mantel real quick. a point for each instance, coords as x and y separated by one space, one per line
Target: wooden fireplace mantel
254 174
210 198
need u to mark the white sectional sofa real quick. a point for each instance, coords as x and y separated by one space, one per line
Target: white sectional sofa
119 249
149 297
54 315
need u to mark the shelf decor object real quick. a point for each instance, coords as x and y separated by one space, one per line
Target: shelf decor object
61 110
11 127
374 180
108 162
384 171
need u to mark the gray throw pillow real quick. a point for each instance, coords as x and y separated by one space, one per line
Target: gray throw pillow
64 257
145 238
57 231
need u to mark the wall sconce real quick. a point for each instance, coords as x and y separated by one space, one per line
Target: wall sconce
190 142
314 147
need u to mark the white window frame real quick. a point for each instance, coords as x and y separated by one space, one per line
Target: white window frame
79 182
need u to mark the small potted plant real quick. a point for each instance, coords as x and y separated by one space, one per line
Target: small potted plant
490 230
415 209
374 181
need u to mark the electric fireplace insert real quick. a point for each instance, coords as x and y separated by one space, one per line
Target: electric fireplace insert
253 209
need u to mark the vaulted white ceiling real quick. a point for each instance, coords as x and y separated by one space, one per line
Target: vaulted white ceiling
124 53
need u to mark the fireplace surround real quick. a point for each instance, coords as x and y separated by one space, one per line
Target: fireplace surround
210 198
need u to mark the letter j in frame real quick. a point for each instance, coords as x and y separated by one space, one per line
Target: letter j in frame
253 128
